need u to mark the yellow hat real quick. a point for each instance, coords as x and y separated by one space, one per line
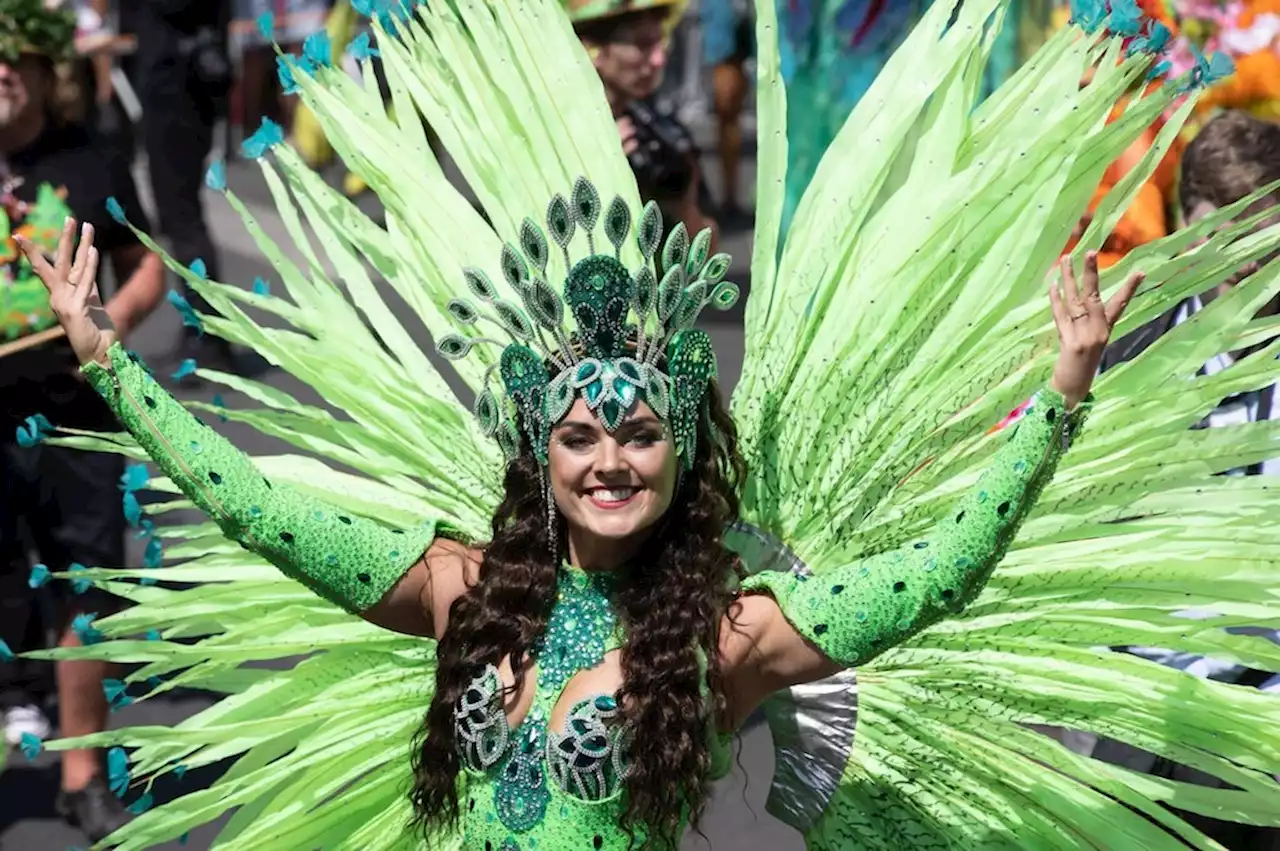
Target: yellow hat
584 11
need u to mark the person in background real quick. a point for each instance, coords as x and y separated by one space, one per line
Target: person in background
1233 156
184 79
627 41
728 41
293 20
64 505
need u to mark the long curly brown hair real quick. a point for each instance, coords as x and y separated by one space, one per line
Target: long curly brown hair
671 609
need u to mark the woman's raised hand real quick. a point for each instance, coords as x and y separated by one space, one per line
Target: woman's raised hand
73 291
1084 325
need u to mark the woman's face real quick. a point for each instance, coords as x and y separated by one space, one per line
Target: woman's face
611 487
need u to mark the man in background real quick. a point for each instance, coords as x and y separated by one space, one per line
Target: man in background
627 41
728 41
184 77
1232 157
61 504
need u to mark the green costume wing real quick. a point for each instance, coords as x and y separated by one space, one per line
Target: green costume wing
906 315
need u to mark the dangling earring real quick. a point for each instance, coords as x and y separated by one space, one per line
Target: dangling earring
553 536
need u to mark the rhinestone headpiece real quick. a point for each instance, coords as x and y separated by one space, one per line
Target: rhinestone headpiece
625 322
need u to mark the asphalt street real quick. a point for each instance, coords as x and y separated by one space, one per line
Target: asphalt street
735 820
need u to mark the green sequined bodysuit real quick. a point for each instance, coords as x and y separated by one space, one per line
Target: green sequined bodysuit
533 787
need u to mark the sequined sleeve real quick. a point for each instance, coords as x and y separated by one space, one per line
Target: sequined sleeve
855 611
348 560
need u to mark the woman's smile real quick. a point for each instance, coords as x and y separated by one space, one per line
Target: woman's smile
613 498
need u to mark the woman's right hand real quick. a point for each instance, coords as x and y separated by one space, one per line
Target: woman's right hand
73 291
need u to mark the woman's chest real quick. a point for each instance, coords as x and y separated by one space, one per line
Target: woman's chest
545 754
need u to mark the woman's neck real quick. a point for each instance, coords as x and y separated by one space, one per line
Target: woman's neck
591 553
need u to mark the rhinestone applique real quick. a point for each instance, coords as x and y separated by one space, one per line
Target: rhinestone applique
522 790
587 761
580 626
482 729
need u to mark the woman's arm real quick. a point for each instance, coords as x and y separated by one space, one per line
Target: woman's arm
792 627
349 560
399 578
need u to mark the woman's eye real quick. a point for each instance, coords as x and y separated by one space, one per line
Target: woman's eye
643 439
575 443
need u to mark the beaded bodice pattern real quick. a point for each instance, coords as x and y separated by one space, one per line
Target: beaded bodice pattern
533 787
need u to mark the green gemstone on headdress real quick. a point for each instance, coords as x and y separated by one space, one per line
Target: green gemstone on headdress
544 304
534 245
717 267
586 204
587 372
599 291
677 247
649 234
560 221
646 291
487 412
690 304
509 440
514 268
698 252
617 222
514 320
560 396
479 284
630 370
657 394
453 347
670 291
611 414
462 312
725 295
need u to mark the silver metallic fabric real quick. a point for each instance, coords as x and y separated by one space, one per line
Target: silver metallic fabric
812 724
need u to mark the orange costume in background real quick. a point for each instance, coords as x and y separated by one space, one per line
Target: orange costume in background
1254 44
1147 218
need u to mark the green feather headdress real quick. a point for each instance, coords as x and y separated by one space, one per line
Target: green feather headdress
31 26
626 323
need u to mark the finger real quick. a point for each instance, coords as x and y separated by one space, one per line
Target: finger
39 264
1070 290
76 278
88 287
1091 277
1059 309
1092 297
1118 302
62 261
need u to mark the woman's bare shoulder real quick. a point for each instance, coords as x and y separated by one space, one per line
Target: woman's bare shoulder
453 569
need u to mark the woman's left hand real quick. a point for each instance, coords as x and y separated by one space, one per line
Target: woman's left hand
1084 325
